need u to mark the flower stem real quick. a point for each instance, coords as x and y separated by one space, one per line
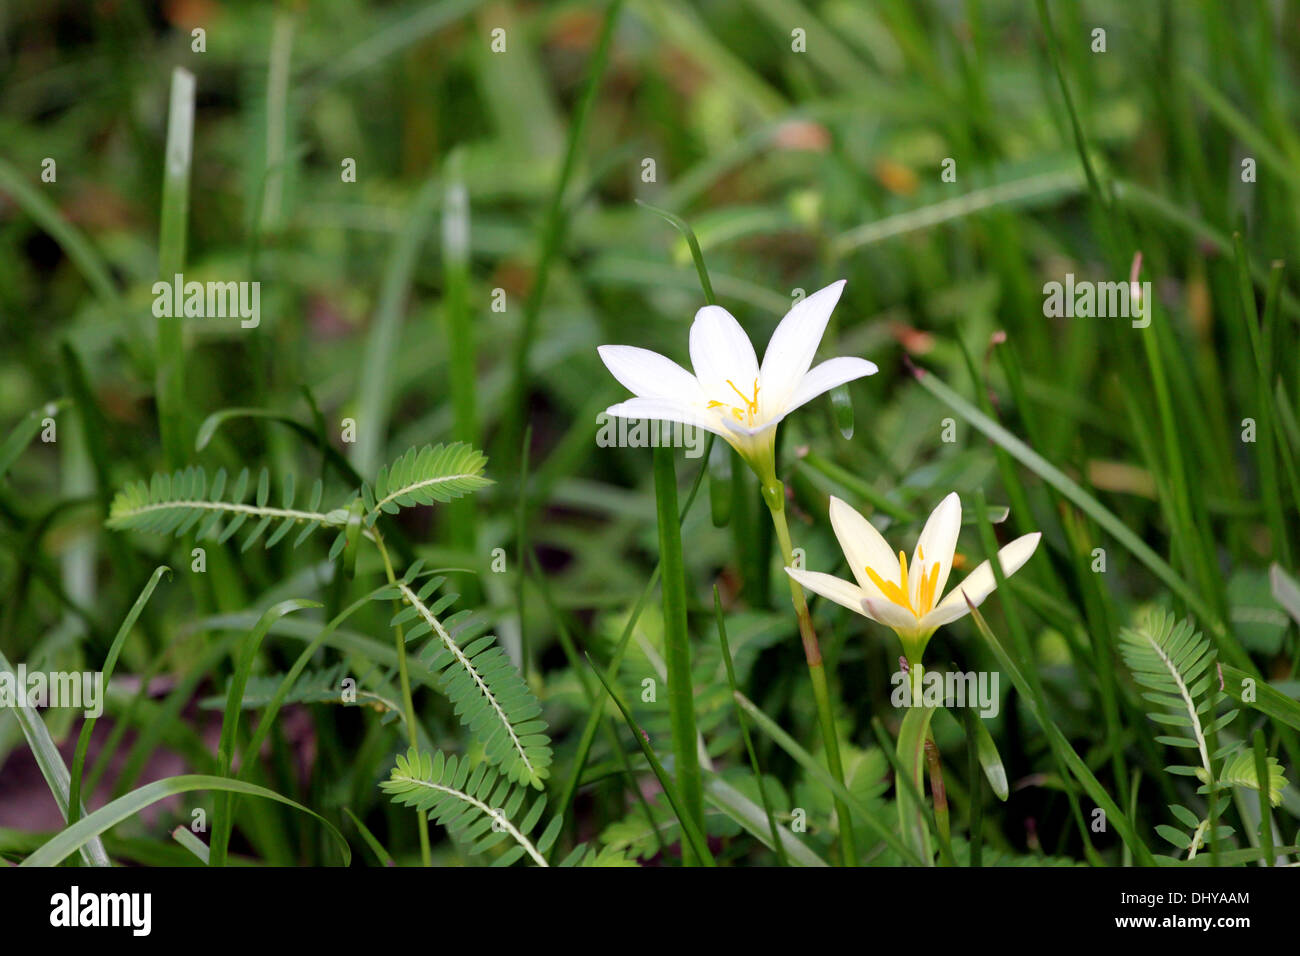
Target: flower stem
774 495
408 702
677 652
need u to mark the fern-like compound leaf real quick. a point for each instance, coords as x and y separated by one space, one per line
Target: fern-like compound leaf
474 803
184 501
1239 771
1173 661
489 695
482 808
425 476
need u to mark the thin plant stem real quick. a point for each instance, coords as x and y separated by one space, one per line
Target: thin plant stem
408 702
774 496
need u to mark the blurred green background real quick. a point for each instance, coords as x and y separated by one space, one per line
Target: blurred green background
803 142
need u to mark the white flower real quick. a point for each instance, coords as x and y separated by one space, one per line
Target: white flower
905 595
730 394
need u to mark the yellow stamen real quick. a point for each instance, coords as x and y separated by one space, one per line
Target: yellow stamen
928 585
751 404
897 594
900 593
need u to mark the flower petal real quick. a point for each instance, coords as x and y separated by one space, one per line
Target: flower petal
826 376
648 374
656 409
792 347
720 350
938 541
980 583
829 586
890 614
863 547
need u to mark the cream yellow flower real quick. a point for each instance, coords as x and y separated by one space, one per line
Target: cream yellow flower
903 595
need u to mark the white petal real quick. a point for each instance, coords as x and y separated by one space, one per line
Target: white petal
648 374
863 547
938 541
827 375
794 343
744 432
656 409
829 586
720 350
980 583
944 614
890 614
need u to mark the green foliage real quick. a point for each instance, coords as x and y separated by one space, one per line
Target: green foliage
1239 771
323 686
433 474
482 809
177 503
473 671
184 501
1175 665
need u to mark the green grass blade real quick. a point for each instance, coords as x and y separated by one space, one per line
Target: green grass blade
88 829
224 807
171 262
52 768
110 662
28 427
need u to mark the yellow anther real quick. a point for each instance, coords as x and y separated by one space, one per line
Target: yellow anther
900 593
928 585
750 407
896 593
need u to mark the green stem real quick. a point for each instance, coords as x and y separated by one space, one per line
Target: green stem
677 652
408 702
774 495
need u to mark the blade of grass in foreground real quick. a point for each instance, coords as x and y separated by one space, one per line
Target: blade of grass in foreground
53 769
377 848
110 662
88 829
192 843
224 805
171 260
